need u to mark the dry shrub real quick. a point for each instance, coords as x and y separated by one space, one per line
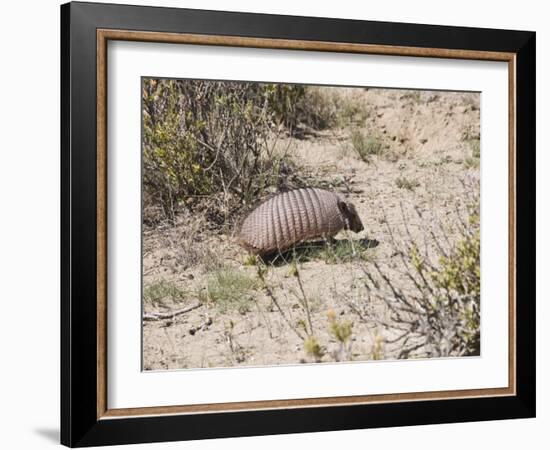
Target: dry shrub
297 106
366 146
319 108
300 107
206 146
438 313
184 244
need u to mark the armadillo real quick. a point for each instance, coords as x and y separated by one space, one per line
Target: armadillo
296 216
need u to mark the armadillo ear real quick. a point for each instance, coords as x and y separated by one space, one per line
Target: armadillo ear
344 210
343 207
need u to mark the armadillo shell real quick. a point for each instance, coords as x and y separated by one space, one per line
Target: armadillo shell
289 218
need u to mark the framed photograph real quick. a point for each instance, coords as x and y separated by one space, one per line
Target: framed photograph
277 224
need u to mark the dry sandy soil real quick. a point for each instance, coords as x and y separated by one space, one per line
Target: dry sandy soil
425 162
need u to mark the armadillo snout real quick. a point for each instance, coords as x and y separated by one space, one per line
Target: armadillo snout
356 226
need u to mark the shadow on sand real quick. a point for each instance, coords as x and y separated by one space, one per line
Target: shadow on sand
329 250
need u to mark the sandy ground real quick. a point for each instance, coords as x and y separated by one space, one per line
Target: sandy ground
426 140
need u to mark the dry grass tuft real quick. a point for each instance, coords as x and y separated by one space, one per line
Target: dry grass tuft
162 293
229 290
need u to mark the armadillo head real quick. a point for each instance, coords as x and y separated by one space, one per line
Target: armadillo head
351 218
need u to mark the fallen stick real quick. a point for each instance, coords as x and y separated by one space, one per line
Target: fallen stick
169 315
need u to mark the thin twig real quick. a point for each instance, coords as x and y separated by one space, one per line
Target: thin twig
169 315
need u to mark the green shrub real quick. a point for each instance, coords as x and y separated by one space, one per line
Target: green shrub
459 274
341 331
313 349
205 145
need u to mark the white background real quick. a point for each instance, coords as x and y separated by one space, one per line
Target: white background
29 225
128 387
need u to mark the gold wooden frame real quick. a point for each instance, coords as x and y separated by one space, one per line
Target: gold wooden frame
103 36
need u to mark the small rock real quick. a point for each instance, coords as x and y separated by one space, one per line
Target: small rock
423 141
192 331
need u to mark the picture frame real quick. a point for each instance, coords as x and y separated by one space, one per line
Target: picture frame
86 30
